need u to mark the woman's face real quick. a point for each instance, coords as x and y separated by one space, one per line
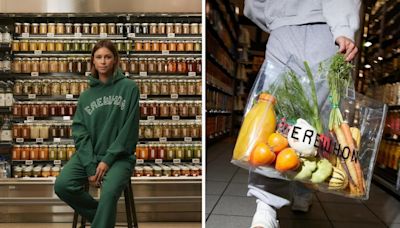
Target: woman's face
103 61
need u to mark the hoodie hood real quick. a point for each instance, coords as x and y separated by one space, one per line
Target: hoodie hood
118 75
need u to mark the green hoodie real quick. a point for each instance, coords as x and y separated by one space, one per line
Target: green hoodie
106 122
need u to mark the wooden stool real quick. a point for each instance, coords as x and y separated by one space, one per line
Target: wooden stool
130 209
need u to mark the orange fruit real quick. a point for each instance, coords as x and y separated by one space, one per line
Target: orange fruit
286 160
277 142
262 155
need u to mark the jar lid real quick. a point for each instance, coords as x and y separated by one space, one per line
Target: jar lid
183 167
59 23
147 168
124 59
26 146
51 23
178 23
175 168
156 168
138 168
62 146
26 59
44 59
18 59
35 146
185 24
35 59
169 24
35 24
145 24
153 24
28 169
44 146
68 24
53 146
94 24
46 168
17 168
102 24
161 24
194 24
15 41
120 24
55 168
53 59
77 24
26 24
128 41
111 23
129 24
17 23
86 24
71 146
166 168
17 146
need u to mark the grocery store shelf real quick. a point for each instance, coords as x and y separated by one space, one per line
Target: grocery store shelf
187 121
5 110
165 54
174 140
393 78
388 179
166 37
231 33
51 54
45 141
166 77
48 75
169 97
212 59
217 88
6 144
71 37
218 112
39 161
211 30
45 98
217 137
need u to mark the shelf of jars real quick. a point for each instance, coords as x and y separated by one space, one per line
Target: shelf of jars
170 110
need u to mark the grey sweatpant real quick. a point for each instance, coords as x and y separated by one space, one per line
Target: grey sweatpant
291 45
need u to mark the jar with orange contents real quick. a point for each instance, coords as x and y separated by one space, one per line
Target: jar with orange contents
171 65
173 87
33 45
25 152
171 45
34 152
163 46
155 45
146 45
16 152
189 46
191 65
43 152
161 65
152 152
180 46
151 65
144 152
181 66
138 45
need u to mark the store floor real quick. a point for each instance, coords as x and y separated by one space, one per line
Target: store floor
68 225
228 206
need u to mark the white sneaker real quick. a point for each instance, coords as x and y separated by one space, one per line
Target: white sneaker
265 216
301 204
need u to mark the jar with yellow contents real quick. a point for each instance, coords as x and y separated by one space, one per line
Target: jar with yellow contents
70 151
50 46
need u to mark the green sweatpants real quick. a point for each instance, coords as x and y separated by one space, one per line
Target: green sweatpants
69 187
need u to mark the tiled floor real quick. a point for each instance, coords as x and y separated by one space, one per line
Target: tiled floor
68 225
228 206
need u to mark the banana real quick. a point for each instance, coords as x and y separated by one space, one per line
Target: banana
338 180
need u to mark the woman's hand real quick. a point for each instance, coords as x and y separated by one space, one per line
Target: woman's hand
92 181
101 170
347 47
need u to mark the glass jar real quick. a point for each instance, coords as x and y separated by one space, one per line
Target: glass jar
26 27
62 152
74 87
135 29
111 29
120 29
173 87
161 28
44 131
54 111
198 66
188 152
171 45
148 131
36 88
128 45
46 87
198 88
180 46
62 65
196 131
134 66
24 45
178 28
70 151
64 87
145 89
43 65
53 65
194 28
43 28
143 110
183 109
124 64
55 87
138 45
42 45
17 109
197 46
145 28
192 109
166 130
164 109
79 65
43 109
162 153
18 87
153 28
33 45
62 127
43 152
83 85
15 45
76 45
185 28
26 131
60 29
171 65
16 66
189 46
102 28
174 109
26 65
151 65
35 131
155 87
155 45
146 45
191 65
26 111
170 149
164 90
77 28
179 154
17 130
161 66
50 45
16 152
27 87
200 28
34 28
157 132
181 66
94 29
191 87
176 131
69 28
163 45
142 65
68 45
51 28
88 66
170 28
53 152
148 171
86 29
85 46
25 152
17 28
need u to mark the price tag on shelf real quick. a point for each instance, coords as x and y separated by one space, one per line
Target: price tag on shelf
31 96
151 118
25 35
69 96
126 74
174 96
29 162
131 35
30 118
103 35
165 52
143 74
175 117
158 161
188 139
34 74
143 96
198 117
196 161
139 161
50 34
176 161
19 140
171 35
87 73
192 74
66 118
57 162
37 52
39 140
78 34
57 140
163 139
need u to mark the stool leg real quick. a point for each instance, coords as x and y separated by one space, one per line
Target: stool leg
128 208
75 222
132 203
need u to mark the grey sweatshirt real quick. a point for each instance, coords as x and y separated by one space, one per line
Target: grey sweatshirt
342 16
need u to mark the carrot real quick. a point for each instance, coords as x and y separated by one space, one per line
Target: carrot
350 166
350 142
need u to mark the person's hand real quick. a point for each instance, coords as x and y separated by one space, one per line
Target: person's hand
92 181
347 47
101 170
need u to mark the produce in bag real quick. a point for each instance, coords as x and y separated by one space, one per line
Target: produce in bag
293 131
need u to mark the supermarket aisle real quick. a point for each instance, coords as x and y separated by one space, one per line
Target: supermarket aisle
228 206
65 225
